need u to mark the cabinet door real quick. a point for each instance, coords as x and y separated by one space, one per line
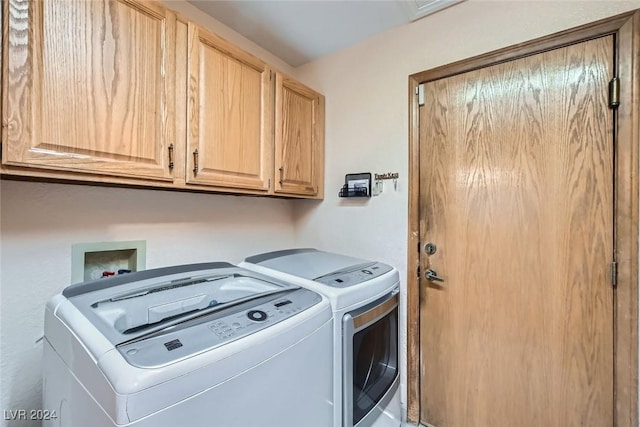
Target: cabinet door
230 115
299 139
90 87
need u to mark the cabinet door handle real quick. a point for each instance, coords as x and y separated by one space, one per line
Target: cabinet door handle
195 162
281 174
171 156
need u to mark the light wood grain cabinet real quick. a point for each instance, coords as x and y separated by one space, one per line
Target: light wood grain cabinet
90 87
128 92
299 139
230 115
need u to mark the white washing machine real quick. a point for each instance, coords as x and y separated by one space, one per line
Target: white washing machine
197 345
364 296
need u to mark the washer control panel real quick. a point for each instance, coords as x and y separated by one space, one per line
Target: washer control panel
219 328
233 326
359 274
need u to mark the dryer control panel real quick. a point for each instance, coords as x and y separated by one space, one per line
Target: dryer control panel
355 275
210 331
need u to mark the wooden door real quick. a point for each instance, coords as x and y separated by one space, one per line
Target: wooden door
90 87
230 115
516 192
299 138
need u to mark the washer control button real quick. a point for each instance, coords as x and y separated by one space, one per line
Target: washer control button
257 315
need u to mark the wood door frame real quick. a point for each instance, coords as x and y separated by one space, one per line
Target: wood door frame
626 28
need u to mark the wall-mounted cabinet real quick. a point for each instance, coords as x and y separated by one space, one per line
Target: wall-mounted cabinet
128 92
299 139
89 86
230 115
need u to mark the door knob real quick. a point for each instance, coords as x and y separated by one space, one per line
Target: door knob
432 276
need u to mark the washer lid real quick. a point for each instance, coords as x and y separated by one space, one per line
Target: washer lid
133 306
331 269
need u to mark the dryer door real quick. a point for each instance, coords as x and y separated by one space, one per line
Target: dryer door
370 360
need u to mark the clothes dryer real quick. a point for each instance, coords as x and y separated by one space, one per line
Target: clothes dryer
364 296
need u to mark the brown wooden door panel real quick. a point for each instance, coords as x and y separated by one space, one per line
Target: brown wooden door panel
230 114
516 179
90 89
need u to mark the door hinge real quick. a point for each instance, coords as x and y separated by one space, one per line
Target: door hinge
420 93
614 93
614 274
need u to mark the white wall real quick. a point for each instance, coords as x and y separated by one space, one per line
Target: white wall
367 111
